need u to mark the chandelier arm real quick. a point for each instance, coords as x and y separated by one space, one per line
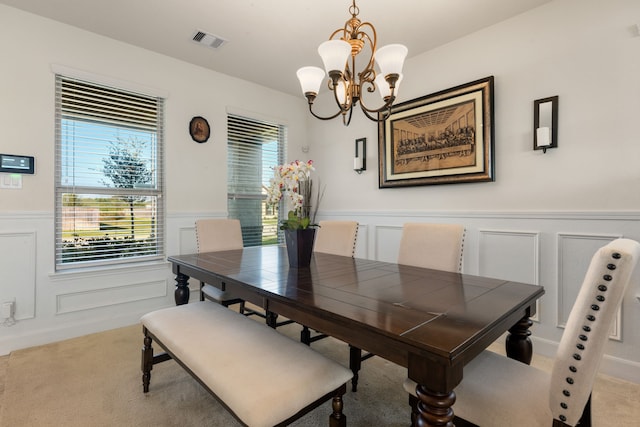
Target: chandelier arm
375 119
338 31
324 118
388 101
348 98
347 122
372 42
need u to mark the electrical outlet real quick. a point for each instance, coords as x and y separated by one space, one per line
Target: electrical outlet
8 310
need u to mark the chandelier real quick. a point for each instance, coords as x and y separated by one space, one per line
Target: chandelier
347 86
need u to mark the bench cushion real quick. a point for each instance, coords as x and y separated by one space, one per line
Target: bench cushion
263 376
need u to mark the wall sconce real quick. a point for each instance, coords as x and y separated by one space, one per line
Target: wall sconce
545 123
360 160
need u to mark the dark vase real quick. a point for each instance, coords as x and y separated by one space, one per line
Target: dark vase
300 246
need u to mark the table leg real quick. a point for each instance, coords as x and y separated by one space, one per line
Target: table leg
435 394
181 293
434 409
518 344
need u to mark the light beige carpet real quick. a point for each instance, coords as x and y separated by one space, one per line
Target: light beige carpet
96 381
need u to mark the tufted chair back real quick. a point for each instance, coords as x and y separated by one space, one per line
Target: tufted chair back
585 336
336 237
219 234
437 246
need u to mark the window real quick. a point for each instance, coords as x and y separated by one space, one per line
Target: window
254 147
109 206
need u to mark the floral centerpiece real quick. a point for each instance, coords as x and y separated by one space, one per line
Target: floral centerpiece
292 182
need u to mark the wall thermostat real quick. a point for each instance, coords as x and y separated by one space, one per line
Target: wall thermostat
10 163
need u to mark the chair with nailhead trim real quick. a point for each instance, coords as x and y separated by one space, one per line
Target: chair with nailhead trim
425 245
498 391
333 237
218 234
221 234
336 237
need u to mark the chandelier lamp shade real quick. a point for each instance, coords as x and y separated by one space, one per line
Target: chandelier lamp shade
339 56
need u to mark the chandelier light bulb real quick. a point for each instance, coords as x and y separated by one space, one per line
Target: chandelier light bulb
341 92
310 79
390 58
383 88
334 54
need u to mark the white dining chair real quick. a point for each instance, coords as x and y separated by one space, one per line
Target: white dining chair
336 238
426 245
437 246
218 234
499 391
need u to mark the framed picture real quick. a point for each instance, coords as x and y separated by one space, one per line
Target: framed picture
442 138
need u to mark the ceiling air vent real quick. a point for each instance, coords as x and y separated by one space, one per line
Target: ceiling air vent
209 40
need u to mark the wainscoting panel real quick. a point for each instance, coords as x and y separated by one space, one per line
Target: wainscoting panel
362 242
187 240
509 255
574 256
387 240
90 299
18 269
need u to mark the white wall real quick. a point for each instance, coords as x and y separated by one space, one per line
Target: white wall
536 223
51 305
585 51
545 213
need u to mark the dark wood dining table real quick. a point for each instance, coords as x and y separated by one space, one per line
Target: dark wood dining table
432 322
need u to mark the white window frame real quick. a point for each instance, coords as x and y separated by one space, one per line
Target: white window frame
249 172
90 105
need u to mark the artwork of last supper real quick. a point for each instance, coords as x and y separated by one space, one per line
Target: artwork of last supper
438 139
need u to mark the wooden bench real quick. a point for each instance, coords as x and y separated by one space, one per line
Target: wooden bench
260 376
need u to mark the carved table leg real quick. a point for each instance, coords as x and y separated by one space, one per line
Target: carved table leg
181 293
434 409
518 343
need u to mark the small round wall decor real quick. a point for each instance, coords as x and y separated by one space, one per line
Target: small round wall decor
199 129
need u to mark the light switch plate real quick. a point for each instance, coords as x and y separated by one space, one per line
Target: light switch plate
12 181
7 310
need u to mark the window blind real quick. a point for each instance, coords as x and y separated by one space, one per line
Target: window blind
109 175
254 147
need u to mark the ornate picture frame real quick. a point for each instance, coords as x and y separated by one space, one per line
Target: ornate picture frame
442 138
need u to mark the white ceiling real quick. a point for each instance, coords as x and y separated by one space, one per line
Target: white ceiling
268 40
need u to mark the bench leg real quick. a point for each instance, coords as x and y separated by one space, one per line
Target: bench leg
147 361
337 418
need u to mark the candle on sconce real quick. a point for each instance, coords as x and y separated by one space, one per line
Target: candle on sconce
543 137
357 163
